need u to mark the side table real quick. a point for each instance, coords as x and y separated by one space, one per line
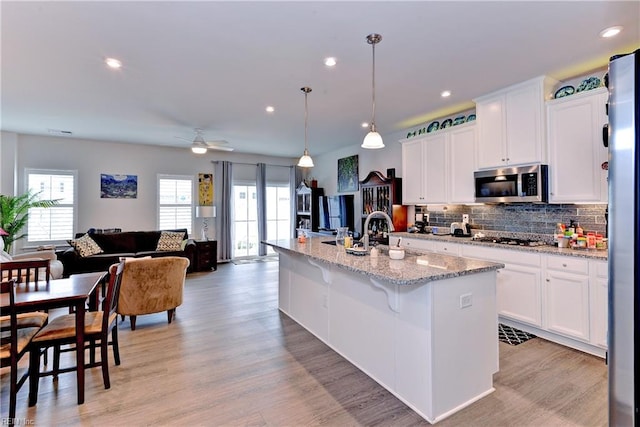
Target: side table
206 255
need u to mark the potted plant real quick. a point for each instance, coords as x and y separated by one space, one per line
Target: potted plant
14 212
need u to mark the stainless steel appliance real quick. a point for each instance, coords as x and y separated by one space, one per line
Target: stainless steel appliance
512 184
624 239
335 212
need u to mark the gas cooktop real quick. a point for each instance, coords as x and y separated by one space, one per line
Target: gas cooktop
511 241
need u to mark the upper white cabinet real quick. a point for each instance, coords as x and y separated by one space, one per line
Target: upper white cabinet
439 168
576 151
511 124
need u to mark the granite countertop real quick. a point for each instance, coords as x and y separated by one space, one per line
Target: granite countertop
414 269
546 249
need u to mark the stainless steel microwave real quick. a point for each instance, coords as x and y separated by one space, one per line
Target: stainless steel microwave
512 185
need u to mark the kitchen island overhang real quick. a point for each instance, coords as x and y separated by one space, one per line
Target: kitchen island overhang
424 327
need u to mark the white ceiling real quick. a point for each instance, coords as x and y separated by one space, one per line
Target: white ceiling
217 65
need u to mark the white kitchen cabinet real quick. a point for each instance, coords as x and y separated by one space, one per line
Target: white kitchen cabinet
511 124
438 168
566 296
462 164
412 172
599 302
576 151
518 284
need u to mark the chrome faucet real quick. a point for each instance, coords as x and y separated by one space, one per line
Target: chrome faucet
365 238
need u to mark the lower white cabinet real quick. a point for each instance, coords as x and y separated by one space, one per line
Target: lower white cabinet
518 283
566 296
557 297
599 302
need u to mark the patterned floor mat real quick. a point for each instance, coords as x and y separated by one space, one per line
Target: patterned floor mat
512 336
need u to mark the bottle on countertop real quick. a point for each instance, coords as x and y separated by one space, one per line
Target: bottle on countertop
579 229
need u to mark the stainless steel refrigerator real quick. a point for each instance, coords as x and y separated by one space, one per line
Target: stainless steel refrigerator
624 239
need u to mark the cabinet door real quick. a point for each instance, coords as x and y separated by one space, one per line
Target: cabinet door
576 152
599 303
491 132
462 144
413 181
518 294
524 139
436 157
567 304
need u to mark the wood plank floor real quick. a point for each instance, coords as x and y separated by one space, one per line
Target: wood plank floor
232 359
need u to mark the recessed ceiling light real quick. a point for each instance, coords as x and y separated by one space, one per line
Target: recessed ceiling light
610 32
330 61
365 125
270 109
113 63
445 93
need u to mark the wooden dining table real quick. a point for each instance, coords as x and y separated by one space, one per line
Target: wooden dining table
73 292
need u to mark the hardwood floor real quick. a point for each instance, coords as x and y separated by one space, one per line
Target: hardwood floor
231 358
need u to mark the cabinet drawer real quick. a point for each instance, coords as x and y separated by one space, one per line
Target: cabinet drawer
416 244
446 248
568 264
506 256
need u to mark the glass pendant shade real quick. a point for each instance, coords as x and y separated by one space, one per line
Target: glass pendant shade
372 141
305 161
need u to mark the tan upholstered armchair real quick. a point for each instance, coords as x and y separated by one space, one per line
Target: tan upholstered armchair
151 285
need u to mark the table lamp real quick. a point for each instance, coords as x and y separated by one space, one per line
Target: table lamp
205 212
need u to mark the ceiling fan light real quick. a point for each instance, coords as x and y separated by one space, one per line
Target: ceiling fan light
197 149
372 141
305 161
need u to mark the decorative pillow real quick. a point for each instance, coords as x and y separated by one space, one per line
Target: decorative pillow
86 246
170 241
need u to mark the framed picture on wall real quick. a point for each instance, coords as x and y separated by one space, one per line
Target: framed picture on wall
205 189
118 186
348 174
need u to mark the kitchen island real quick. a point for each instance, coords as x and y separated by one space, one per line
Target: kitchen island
424 327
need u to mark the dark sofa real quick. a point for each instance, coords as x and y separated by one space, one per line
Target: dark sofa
134 244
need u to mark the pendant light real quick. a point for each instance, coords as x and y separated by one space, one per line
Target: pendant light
305 161
373 140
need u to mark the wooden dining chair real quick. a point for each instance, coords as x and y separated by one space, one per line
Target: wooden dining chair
62 331
15 342
27 273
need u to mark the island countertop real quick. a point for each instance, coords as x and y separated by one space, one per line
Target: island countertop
412 270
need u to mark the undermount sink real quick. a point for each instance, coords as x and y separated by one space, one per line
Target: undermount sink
329 242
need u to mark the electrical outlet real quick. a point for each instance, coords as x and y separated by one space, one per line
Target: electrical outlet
466 300
465 218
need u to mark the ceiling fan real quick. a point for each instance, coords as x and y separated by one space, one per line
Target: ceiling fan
200 146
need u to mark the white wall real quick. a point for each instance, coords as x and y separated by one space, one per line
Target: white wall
92 158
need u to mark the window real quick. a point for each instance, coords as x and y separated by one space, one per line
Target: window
55 224
175 209
278 213
245 221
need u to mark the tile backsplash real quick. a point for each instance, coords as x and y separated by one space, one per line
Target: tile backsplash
520 217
